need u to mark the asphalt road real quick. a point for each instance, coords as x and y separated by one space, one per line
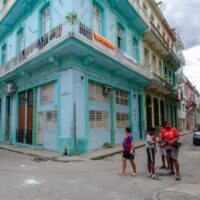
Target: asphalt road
23 178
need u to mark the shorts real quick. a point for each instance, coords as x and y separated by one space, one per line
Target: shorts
150 155
162 151
172 153
127 155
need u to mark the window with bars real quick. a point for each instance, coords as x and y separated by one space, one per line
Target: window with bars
98 119
97 19
121 97
51 120
122 120
47 93
96 93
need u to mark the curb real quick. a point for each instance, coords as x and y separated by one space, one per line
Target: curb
99 157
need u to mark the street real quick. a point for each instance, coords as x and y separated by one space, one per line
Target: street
23 178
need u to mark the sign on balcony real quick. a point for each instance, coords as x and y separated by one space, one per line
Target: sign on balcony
104 44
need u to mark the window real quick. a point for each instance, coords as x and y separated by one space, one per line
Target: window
0 109
20 40
119 37
97 19
145 9
3 54
135 48
146 57
122 120
47 92
46 20
98 119
96 93
51 120
121 97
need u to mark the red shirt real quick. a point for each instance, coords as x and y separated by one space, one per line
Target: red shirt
169 134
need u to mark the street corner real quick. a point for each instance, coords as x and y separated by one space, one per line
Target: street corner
67 159
179 192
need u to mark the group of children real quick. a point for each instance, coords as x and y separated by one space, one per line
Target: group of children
168 146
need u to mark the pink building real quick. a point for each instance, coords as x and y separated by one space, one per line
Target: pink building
190 105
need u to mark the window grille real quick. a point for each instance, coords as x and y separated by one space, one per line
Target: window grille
51 120
47 92
96 93
98 119
122 120
121 97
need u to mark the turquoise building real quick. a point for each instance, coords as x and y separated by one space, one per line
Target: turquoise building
71 73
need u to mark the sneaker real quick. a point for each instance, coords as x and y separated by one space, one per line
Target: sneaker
162 167
178 177
149 175
171 173
155 177
167 169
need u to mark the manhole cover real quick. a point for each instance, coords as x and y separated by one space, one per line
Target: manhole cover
172 195
39 159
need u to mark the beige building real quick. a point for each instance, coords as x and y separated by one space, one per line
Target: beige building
160 57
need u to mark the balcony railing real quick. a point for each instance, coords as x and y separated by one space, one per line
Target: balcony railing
79 31
6 7
135 4
162 82
159 35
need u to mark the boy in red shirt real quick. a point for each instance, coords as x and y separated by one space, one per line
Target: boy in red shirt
170 136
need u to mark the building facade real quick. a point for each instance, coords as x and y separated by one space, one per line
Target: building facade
161 59
190 105
71 73
197 110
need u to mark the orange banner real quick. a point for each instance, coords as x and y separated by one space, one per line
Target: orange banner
104 41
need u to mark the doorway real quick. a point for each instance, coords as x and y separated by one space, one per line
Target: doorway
8 116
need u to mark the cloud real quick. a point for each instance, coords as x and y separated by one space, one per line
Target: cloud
184 15
192 68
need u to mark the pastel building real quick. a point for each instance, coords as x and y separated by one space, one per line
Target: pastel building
160 57
71 73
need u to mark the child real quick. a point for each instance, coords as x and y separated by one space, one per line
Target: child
150 149
128 152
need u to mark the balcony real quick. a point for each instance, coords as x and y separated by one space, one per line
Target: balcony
153 36
161 82
6 7
86 42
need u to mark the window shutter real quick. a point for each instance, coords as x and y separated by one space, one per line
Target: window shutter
47 93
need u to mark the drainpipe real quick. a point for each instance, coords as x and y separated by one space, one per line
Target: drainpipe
74 132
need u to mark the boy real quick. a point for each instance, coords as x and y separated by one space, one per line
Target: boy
150 149
128 152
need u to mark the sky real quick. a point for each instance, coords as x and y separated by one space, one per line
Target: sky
184 16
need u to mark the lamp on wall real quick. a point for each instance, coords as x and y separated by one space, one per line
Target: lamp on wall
134 95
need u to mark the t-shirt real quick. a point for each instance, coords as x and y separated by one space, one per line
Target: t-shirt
149 140
169 134
127 142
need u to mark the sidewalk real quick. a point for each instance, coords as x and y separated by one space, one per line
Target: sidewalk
92 155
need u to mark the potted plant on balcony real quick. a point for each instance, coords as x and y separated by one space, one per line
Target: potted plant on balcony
71 17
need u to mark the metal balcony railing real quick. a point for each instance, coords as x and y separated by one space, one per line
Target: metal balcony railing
162 82
79 31
6 7
159 35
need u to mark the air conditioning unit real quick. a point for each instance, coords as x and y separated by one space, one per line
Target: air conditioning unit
106 90
10 88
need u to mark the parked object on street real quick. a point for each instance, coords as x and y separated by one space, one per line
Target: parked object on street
196 138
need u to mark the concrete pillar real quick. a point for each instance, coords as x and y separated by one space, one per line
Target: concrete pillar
152 112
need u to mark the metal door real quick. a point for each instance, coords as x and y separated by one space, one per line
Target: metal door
99 116
122 115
